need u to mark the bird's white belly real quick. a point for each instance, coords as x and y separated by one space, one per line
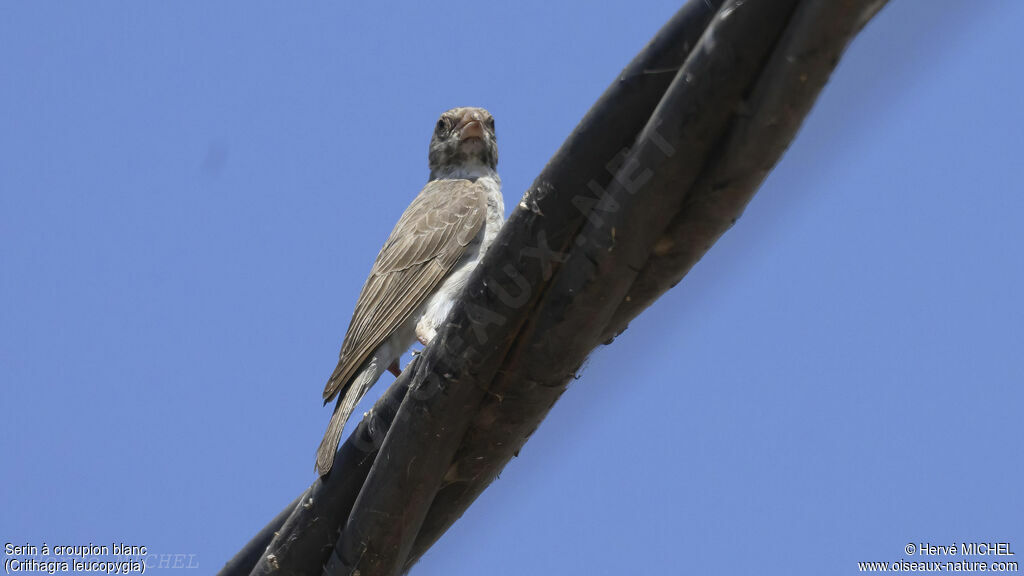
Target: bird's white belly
431 315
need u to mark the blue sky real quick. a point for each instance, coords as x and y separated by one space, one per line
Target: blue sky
192 193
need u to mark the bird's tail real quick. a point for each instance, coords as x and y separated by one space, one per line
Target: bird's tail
347 400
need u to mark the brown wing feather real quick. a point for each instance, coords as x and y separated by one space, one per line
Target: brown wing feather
428 240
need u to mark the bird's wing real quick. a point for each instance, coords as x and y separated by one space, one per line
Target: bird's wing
427 242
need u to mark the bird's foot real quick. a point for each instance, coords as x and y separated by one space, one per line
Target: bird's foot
425 333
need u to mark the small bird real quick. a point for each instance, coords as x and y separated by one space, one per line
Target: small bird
423 265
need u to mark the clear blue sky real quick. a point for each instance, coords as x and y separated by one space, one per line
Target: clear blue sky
191 194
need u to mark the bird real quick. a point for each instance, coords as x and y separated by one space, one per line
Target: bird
423 265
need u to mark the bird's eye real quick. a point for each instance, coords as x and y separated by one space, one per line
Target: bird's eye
490 123
442 125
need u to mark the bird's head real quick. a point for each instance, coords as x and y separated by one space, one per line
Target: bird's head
463 144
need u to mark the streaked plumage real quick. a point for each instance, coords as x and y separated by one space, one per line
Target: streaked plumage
424 264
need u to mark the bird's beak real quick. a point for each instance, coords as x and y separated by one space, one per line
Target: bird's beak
470 126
